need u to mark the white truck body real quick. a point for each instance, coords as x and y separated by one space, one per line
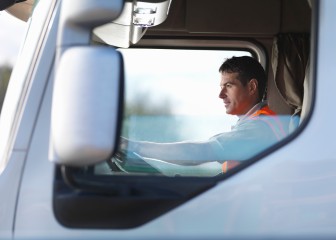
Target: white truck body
288 193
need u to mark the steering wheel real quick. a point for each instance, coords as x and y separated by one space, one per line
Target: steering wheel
129 162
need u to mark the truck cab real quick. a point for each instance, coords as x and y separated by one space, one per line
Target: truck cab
90 73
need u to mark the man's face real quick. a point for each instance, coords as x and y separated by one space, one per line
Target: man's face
237 98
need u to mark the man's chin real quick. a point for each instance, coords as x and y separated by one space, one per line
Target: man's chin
228 111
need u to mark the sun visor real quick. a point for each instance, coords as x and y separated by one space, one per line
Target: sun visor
131 25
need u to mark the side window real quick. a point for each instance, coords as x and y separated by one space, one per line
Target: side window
10 45
181 117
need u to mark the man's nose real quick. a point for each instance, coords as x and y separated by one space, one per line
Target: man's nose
222 94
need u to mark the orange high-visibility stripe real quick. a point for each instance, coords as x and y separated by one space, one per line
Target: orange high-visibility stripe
227 165
268 112
263 111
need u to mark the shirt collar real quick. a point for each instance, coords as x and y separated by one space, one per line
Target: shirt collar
254 109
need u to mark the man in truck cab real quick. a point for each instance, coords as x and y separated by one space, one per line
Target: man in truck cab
242 82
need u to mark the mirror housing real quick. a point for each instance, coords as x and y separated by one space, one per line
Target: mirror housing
131 25
86 106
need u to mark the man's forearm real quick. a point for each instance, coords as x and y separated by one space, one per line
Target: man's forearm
180 152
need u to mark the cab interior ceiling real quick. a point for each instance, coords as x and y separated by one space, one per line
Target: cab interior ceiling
235 18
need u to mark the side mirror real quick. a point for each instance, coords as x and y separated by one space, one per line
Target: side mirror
87 106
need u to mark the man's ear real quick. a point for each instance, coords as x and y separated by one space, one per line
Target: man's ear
253 86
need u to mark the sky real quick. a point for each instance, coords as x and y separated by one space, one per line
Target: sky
11 37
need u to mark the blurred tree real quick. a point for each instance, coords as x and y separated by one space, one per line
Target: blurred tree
5 73
147 119
141 104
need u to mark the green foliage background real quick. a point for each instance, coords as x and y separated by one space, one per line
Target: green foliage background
5 73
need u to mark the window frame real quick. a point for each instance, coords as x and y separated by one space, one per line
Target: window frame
120 197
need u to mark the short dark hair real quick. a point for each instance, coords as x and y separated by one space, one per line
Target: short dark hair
247 69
